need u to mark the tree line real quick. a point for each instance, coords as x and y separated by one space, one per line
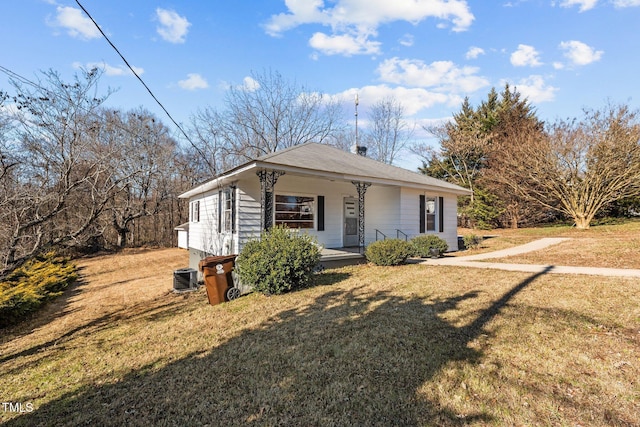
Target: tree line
79 176
523 171
76 175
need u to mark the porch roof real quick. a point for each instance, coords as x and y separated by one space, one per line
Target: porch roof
182 227
320 160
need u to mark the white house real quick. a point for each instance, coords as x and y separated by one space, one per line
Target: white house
340 198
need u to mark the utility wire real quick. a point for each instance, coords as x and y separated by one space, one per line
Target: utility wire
52 94
145 85
200 152
23 79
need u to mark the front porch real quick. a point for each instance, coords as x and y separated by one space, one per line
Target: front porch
340 257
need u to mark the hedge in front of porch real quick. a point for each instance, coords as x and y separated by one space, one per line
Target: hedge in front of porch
281 261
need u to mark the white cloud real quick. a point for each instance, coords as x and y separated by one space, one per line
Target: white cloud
173 27
535 89
626 3
250 84
193 82
440 75
76 24
584 4
344 44
474 52
357 20
406 40
524 56
369 13
413 99
109 70
580 53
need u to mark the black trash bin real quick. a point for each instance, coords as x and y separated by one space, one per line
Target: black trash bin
216 271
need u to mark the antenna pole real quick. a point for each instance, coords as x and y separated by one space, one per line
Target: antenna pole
357 141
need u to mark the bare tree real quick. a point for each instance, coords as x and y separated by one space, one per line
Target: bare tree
264 115
55 183
142 167
389 132
582 166
210 150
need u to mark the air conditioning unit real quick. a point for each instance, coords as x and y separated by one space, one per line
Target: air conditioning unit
185 279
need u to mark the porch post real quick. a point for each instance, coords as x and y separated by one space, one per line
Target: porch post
362 188
267 182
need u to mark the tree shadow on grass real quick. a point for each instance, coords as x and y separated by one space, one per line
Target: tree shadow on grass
329 277
154 310
345 359
49 311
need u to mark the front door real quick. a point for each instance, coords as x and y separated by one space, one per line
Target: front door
351 234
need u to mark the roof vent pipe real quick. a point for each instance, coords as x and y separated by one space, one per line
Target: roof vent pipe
359 150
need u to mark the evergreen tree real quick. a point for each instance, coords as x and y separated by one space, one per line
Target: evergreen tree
471 148
515 126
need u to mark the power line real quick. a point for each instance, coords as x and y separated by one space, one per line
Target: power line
200 152
143 83
52 94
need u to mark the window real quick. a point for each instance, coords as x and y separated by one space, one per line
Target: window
429 208
294 211
430 212
195 211
228 211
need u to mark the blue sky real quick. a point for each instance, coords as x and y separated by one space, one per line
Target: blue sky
563 55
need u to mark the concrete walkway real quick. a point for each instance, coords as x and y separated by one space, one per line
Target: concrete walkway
473 261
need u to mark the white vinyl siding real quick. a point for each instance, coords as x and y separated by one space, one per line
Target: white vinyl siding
387 208
410 214
381 212
203 234
248 222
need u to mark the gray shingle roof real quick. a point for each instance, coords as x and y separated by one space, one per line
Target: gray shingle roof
325 158
320 159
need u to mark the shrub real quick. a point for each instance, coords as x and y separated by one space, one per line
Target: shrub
423 244
389 252
282 260
28 287
471 241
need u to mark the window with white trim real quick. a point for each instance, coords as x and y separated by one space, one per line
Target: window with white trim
430 213
227 210
294 211
195 211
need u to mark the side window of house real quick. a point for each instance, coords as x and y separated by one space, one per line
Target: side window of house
430 213
195 211
228 211
294 211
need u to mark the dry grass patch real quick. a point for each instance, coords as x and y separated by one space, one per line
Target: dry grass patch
411 345
609 245
493 240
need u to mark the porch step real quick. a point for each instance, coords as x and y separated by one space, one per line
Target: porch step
339 257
